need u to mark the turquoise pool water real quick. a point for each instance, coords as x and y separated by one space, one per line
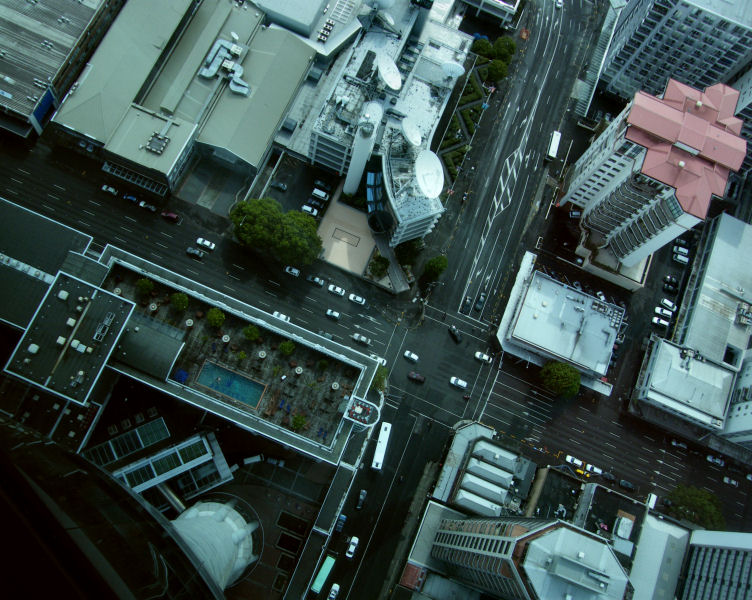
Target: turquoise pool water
231 384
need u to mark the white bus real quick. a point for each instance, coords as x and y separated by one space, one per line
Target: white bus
323 573
381 444
553 146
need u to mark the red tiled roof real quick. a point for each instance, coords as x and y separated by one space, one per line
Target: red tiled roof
692 140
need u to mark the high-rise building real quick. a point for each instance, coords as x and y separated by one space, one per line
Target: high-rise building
520 558
650 176
697 42
718 565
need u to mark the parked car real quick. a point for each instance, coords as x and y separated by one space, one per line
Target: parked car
593 469
681 259
483 357
680 250
575 214
681 242
379 359
352 547
278 185
195 253
315 280
332 314
411 356
357 299
670 289
322 185
333 592
663 312
658 322
130 198
716 460
108 189
309 210
668 305
340 523
169 216
278 315
609 476
730 481
573 461
467 304
670 279
455 333
361 339
415 376
146 206
481 300
627 485
317 204
205 244
678 444
361 499
292 271
457 382
336 290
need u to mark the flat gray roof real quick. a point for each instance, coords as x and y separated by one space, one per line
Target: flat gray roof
70 338
658 559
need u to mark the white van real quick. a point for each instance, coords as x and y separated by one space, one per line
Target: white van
681 250
652 499
681 259
320 195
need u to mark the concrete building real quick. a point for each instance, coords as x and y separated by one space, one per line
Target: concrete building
718 565
503 10
519 558
547 320
650 176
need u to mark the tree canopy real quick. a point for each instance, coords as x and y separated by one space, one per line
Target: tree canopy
696 505
215 317
379 379
435 267
561 379
497 69
289 237
504 48
483 47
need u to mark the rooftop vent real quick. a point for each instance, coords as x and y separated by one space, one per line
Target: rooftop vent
698 104
682 164
581 555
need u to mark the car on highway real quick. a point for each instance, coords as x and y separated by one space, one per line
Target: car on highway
455 333
332 314
361 499
678 444
481 356
573 461
361 339
670 288
658 322
668 305
315 280
716 460
146 206
379 359
292 271
663 312
627 485
593 469
170 216
729 481
357 299
130 198
336 290
205 244
108 189
411 356
333 592
278 185
459 383
467 304
415 376
480 301
195 252
352 547
278 315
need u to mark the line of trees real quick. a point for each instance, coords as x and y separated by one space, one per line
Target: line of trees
499 54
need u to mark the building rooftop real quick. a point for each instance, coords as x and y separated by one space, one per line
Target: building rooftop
692 140
734 540
737 12
658 559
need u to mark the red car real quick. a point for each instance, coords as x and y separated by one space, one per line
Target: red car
415 376
170 216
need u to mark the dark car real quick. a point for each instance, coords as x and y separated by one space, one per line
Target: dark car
627 485
340 522
195 252
130 198
480 301
467 304
315 280
146 206
361 499
278 185
455 333
322 185
315 203
670 279
670 289
415 376
169 216
608 476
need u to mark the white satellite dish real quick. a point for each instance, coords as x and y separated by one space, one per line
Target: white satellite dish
386 17
411 132
452 69
388 72
429 174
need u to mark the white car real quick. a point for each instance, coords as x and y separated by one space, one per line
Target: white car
278 315
457 382
716 460
483 357
379 359
337 291
411 356
662 312
361 339
659 322
593 469
352 547
332 314
292 271
730 481
357 299
205 244
333 592
559 3
574 461
667 304
309 210
109 189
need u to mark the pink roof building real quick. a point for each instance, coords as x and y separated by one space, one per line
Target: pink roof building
651 174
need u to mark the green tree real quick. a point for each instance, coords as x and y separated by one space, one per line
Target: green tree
298 421
241 355
179 301
323 364
483 47
407 252
379 266
497 70
504 48
299 243
435 267
696 505
561 379
286 348
144 286
215 317
379 379
251 333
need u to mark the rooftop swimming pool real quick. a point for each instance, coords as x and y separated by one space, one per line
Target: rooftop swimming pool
231 384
